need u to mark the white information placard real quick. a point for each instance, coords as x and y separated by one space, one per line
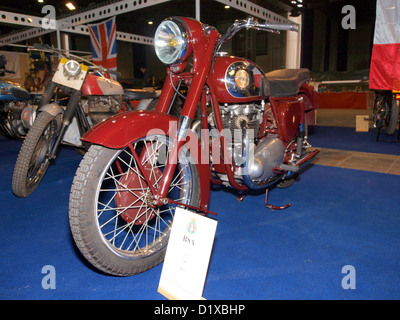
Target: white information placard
187 257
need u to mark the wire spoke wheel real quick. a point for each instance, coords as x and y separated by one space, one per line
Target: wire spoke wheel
39 160
113 217
33 159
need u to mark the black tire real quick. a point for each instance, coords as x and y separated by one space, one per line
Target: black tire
101 183
378 114
393 118
33 162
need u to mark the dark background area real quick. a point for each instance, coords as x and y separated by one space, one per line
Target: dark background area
326 46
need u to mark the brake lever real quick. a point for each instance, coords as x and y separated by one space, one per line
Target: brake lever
101 71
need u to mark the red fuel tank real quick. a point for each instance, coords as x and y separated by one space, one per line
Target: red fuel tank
98 86
238 80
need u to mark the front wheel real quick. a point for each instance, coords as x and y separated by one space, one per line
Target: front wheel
112 217
33 158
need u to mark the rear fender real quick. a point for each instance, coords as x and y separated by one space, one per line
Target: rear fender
123 129
311 103
310 97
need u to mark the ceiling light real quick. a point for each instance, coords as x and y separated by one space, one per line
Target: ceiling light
293 2
299 5
40 1
70 6
227 7
149 22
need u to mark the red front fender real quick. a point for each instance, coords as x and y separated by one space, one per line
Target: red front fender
122 129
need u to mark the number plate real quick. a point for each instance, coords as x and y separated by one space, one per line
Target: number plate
71 82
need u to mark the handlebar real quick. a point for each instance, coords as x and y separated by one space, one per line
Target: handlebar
118 74
51 49
3 72
252 23
43 47
92 66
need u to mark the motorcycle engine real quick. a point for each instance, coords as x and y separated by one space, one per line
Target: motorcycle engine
99 108
16 118
254 158
236 116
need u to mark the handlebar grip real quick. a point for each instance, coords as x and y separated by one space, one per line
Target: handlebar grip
282 26
40 46
118 74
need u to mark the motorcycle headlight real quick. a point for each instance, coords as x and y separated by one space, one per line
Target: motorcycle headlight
72 68
171 42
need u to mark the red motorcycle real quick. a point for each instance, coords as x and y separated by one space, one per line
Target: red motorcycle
251 134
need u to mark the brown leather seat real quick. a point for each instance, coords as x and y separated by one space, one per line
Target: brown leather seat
287 82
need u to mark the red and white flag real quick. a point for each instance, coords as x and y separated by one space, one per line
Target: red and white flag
103 39
385 60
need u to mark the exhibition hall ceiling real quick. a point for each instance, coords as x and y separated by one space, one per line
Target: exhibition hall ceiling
212 12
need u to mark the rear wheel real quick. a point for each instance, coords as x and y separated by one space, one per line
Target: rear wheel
386 112
112 217
393 117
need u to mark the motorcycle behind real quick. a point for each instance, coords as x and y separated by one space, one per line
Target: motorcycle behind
252 134
73 101
16 106
385 115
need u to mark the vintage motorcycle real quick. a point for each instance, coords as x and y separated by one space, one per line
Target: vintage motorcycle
385 115
16 104
141 165
83 99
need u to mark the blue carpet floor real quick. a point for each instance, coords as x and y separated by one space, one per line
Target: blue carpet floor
338 217
346 138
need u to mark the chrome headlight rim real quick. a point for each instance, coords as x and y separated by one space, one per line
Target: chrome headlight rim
180 37
72 68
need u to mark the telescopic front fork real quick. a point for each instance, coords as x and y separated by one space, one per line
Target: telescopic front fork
69 113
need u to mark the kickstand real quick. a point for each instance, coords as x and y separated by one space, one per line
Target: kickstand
240 198
272 207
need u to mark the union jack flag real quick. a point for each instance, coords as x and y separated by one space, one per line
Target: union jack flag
104 44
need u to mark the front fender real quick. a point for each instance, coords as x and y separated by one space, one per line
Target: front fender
52 108
122 129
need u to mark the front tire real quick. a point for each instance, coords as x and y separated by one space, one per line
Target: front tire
33 161
113 221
